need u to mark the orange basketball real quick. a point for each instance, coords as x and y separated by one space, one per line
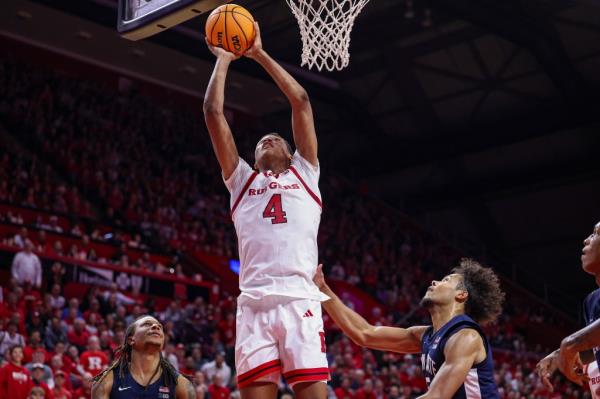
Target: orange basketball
230 27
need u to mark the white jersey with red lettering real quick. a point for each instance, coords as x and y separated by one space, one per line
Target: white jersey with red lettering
276 218
592 372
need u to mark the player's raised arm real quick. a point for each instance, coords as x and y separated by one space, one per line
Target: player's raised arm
463 350
218 128
394 339
303 124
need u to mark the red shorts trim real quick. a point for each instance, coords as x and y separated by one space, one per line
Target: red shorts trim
250 376
315 374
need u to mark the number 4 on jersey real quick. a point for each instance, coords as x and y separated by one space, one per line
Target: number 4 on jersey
274 210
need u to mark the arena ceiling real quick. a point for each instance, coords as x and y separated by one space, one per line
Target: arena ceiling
482 122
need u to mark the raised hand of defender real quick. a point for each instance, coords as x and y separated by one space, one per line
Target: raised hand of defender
569 363
221 53
256 45
546 368
319 278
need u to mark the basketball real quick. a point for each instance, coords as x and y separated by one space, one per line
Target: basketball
230 27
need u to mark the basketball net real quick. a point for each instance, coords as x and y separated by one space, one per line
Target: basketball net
325 27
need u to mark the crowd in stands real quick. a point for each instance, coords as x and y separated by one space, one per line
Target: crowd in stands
149 168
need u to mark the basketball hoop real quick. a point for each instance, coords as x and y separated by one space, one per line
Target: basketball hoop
325 27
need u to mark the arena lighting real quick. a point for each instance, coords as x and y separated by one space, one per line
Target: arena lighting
234 266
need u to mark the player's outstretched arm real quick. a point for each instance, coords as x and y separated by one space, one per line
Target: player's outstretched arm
568 360
402 340
546 368
303 123
462 351
102 388
185 389
218 128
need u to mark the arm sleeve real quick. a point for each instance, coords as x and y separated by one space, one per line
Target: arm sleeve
235 183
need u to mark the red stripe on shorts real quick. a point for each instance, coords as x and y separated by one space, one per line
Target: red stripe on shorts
315 374
250 376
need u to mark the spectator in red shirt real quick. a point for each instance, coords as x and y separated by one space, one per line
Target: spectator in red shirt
366 392
84 391
344 391
394 392
15 381
216 390
66 362
227 330
60 391
37 377
78 335
35 345
58 366
93 360
188 366
94 309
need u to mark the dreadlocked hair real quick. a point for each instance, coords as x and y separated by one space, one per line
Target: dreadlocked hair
484 303
123 360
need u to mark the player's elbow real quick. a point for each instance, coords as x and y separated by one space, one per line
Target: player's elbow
211 109
300 97
360 337
568 343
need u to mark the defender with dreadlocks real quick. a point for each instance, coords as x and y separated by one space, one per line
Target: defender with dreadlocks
455 354
139 370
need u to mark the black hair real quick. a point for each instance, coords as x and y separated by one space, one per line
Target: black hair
484 303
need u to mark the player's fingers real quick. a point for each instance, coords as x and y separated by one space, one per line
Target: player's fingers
547 383
256 28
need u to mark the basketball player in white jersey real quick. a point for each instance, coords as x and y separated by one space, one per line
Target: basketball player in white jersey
276 210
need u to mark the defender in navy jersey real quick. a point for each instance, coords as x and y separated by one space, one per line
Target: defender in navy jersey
456 356
140 371
570 358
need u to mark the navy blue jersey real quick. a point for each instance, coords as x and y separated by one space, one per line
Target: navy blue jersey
480 380
128 388
591 313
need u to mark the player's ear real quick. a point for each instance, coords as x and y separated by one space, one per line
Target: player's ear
462 296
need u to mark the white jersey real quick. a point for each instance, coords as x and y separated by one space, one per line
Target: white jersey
594 376
276 217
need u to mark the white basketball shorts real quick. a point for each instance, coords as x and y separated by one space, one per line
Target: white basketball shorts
277 336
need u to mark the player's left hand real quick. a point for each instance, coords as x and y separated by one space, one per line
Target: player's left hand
256 47
569 363
221 52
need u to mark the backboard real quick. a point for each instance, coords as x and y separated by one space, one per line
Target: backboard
139 19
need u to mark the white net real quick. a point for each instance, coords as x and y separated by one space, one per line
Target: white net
325 27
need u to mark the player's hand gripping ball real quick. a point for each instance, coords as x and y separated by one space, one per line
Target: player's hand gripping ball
230 27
